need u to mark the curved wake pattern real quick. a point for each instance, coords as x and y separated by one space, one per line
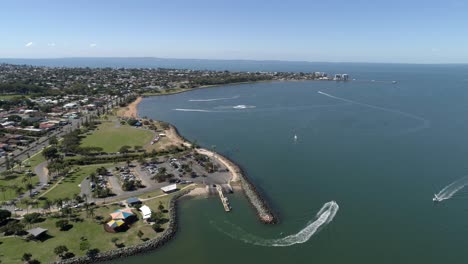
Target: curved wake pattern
214 99
323 217
450 190
425 123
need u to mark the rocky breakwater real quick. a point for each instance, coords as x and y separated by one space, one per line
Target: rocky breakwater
264 212
135 249
255 198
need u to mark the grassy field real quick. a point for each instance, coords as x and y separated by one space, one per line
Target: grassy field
9 96
68 187
17 180
110 137
13 248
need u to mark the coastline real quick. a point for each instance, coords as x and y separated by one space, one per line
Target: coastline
131 111
263 210
238 179
207 86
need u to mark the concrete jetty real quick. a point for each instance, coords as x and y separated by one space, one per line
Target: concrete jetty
223 198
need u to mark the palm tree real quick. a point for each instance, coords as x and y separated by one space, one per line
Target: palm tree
30 187
58 203
19 190
3 190
91 211
86 206
47 204
26 202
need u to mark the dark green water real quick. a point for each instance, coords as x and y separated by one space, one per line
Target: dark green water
381 157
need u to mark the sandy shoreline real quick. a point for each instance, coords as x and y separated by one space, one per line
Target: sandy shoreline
131 110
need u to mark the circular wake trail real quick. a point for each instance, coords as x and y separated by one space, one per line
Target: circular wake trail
322 218
425 123
450 190
214 99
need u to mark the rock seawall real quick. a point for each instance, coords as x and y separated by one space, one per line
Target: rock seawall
143 247
264 213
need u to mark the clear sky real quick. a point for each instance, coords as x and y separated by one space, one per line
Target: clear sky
409 31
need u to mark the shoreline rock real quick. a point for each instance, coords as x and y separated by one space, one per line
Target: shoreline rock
264 212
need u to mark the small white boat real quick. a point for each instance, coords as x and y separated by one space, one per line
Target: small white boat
394 82
436 198
240 107
295 137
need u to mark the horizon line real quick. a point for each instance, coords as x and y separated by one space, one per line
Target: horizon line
246 60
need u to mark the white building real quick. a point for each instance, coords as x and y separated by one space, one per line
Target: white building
169 188
145 212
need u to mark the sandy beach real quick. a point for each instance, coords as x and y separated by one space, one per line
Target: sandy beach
131 110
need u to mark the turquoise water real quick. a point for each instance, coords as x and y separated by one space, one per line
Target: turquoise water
380 150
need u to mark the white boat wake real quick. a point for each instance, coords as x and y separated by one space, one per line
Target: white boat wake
192 110
214 99
323 217
425 123
450 190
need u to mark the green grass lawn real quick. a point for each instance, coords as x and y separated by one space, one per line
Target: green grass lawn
110 137
17 180
13 248
9 96
68 187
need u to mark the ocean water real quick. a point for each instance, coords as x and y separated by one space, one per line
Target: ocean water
380 150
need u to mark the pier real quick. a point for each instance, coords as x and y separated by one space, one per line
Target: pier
223 198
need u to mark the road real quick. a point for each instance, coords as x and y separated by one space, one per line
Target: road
43 142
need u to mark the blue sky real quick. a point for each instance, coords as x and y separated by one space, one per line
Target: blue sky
337 30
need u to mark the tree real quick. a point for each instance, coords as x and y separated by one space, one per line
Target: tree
53 140
101 171
7 162
47 204
84 245
50 153
137 148
30 187
60 250
26 257
124 149
156 227
92 252
62 224
13 228
140 234
32 218
160 206
4 215
114 240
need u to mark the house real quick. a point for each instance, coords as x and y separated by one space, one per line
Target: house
70 105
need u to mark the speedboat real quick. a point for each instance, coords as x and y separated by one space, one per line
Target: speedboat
240 107
436 198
